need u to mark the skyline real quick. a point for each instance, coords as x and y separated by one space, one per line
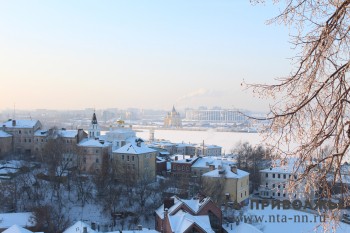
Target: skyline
152 55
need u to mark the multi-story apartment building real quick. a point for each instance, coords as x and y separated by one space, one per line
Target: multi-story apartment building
216 115
22 132
5 143
228 183
135 161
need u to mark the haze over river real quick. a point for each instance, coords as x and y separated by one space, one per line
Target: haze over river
227 140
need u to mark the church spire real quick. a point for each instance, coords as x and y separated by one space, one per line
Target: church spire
94 130
94 119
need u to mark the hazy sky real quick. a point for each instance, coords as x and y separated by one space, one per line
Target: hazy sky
145 54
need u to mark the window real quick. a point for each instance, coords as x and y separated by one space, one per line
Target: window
279 186
284 176
273 194
273 186
122 157
97 160
42 140
241 195
284 195
29 140
25 140
279 176
267 175
284 185
128 158
273 175
96 151
267 184
133 158
278 194
19 132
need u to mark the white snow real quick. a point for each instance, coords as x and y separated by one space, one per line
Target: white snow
16 229
133 148
3 134
21 124
20 219
93 143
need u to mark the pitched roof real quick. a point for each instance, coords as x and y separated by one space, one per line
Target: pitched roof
227 173
182 221
21 123
17 229
3 134
78 227
21 219
133 148
93 143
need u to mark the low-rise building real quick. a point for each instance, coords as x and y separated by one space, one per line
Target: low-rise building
228 184
135 161
194 215
22 132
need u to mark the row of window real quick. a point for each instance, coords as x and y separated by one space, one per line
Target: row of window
179 168
274 185
25 140
279 176
96 151
24 131
128 158
266 194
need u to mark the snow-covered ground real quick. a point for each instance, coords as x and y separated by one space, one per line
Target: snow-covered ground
293 221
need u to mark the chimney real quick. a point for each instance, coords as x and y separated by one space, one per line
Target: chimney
234 169
211 167
168 203
84 229
13 122
139 227
176 158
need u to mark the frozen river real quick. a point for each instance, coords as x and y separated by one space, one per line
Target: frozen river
226 140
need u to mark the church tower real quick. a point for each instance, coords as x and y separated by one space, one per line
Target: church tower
94 130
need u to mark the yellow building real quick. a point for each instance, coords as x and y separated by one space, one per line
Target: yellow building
135 162
227 184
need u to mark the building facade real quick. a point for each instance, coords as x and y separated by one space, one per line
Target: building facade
173 119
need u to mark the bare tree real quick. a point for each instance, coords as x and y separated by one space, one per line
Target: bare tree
312 111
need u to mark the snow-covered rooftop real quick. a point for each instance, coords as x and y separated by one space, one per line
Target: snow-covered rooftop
78 227
41 133
93 143
134 148
204 162
194 204
181 221
3 134
16 229
20 124
227 173
67 133
20 219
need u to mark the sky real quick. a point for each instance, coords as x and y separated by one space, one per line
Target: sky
145 54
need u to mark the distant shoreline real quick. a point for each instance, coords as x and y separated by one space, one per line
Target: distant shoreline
194 129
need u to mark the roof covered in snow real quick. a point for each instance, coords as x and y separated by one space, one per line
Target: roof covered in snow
182 221
67 133
41 133
17 229
78 227
3 134
20 123
134 148
227 173
20 219
204 162
194 204
93 143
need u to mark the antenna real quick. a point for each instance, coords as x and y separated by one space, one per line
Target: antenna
14 111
